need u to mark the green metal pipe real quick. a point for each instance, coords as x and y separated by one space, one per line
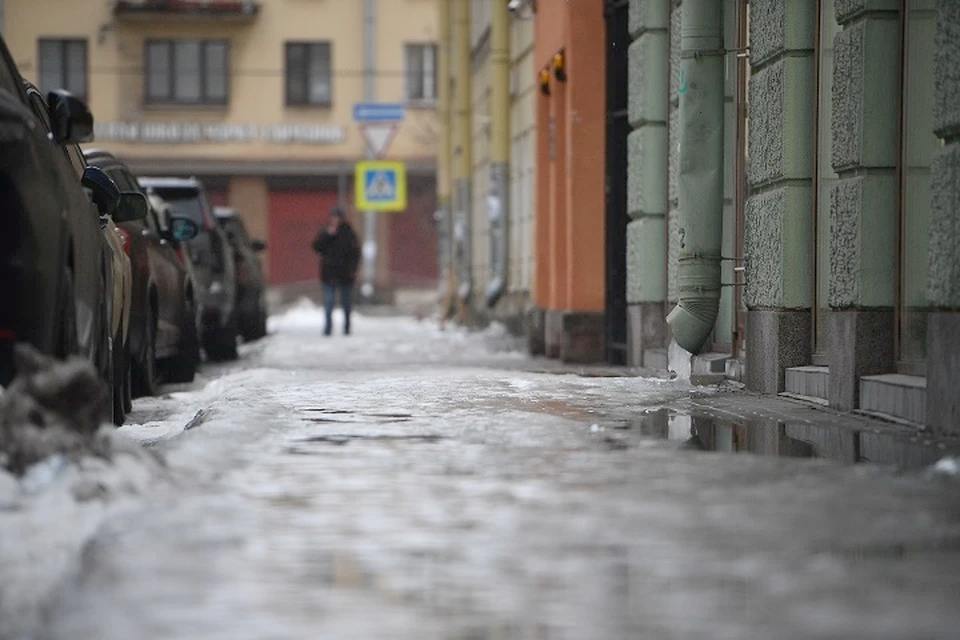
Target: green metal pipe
700 183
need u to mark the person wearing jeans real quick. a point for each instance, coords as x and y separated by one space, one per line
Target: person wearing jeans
339 253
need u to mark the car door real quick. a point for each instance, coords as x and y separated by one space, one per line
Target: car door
164 270
86 239
33 256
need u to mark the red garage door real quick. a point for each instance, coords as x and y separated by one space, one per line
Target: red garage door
295 218
413 237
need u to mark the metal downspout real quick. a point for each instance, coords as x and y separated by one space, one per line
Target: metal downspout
444 252
462 196
498 199
700 184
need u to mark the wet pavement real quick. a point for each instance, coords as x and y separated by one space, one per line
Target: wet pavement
408 482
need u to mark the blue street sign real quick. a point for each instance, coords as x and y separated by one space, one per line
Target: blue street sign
381 186
378 112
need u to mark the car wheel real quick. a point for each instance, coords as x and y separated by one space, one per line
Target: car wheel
222 344
119 382
260 323
147 383
183 366
67 335
255 326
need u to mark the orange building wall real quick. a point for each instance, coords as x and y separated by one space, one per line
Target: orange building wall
571 156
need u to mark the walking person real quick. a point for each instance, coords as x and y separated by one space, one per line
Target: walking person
340 254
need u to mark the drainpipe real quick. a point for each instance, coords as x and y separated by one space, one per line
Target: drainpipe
498 200
462 200
443 154
700 183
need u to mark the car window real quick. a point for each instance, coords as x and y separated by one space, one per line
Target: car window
126 182
184 201
159 219
76 158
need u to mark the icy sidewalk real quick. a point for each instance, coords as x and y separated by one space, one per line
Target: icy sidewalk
409 482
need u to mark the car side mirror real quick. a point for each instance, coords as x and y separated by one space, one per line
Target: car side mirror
258 245
183 229
132 206
103 190
70 118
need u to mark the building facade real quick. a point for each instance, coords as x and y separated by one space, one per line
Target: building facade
764 190
256 99
825 263
487 194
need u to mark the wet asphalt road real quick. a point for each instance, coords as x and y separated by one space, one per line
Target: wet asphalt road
407 482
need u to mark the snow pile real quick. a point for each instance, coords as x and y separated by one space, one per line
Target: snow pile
50 408
60 474
949 466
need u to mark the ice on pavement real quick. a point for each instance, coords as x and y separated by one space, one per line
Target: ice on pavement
410 481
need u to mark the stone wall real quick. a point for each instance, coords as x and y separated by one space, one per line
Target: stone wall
778 224
863 202
647 194
943 330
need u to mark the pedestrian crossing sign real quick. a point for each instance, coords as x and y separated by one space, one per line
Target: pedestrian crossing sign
380 186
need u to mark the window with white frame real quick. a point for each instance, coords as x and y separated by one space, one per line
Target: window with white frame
187 71
308 74
63 65
421 72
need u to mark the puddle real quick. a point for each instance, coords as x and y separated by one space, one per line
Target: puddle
363 418
330 411
770 436
340 439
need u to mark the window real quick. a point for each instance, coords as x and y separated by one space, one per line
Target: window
63 65
308 73
421 72
187 71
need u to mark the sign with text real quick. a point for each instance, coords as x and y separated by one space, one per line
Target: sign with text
378 112
380 186
217 132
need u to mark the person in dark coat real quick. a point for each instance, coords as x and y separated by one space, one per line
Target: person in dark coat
339 254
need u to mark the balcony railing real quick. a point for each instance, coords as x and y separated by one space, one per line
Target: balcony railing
233 10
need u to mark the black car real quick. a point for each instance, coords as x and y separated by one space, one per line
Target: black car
213 264
251 289
54 262
163 327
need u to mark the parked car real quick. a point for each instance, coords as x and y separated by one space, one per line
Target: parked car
178 231
114 308
55 266
213 264
251 290
163 338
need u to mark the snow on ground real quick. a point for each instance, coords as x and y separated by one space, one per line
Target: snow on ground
411 481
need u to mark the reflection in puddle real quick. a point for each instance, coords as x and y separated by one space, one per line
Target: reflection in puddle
340 416
340 439
769 436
